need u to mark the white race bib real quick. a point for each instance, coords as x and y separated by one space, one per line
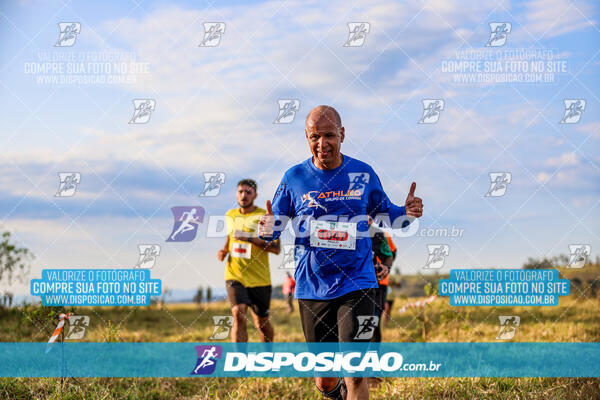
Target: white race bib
241 250
333 235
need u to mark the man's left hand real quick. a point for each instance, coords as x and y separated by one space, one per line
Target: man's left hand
383 271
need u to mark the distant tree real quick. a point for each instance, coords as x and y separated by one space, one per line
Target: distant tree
199 296
561 260
14 265
544 263
165 293
208 294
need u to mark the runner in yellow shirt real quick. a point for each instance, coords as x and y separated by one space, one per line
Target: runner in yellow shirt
247 276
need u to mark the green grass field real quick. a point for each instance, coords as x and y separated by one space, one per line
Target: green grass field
576 319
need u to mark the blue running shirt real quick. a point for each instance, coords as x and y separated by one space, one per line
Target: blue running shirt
351 190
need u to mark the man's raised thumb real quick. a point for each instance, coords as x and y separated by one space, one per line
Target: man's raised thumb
269 207
411 193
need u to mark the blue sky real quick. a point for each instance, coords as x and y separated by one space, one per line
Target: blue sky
215 108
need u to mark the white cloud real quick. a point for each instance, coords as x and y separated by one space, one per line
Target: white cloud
564 160
552 18
543 177
591 128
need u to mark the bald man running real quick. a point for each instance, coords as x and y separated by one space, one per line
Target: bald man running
335 277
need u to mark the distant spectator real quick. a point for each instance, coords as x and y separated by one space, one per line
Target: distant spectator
288 291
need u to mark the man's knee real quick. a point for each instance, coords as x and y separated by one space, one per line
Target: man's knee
239 313
331 388
263 323
326 384
354 381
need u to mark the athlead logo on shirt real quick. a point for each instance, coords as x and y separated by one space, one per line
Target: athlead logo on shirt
358 182
207 359
310 198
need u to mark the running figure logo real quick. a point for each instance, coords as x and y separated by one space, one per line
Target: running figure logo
508 326
212 183
287 111
291 254
222 325
148 254
579 255
358 182
68 33
142 109
432 108
311 200
498 34
207 359
77 326
573 110
69 181
498 183
186 223
366 326
212 34
358 33
437 256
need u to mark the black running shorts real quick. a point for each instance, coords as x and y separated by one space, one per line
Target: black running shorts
258 298
349 318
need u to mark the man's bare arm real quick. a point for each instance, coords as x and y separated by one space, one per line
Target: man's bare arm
223 252
272 247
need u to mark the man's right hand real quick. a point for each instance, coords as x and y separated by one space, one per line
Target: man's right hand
413 205
266 224
222 254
